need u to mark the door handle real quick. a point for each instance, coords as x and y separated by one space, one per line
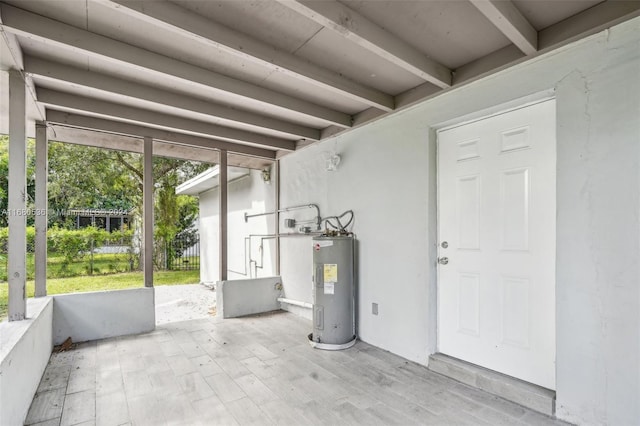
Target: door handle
443 260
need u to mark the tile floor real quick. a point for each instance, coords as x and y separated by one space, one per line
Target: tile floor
255 370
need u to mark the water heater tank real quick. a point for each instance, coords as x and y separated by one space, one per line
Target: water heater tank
334 314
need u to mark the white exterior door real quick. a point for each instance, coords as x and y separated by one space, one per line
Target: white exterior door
497 220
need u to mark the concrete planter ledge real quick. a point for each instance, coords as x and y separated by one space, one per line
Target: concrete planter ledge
237 298
25 348
102 314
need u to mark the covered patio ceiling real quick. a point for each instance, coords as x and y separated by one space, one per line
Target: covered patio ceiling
264 77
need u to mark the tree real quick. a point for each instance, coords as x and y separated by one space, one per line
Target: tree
82 177
4 181
115 181
87 177
4 178
173 215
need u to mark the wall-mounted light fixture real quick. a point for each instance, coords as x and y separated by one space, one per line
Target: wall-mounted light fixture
331 164
266 176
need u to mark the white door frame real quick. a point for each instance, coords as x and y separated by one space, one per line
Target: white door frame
460 121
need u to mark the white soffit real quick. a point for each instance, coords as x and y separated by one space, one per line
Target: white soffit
295 70
209 179
451 31
151 106
543 13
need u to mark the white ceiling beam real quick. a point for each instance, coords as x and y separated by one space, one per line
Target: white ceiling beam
590 21
122 128
506 17
52 70
488 64
92 138
355 27
14 48
16 60
145 117
111 141
180 20
45 30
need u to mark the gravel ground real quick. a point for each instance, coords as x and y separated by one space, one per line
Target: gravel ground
183 302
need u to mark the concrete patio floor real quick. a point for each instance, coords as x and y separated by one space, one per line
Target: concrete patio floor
254 370
183 302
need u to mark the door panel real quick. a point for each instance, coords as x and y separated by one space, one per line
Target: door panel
496 211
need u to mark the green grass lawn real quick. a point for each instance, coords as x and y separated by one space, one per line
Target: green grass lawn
101 282
57 267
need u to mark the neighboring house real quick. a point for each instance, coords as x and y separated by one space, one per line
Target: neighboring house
251 245
112 220
109 219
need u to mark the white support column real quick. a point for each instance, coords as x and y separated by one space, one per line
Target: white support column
41 206
223 185
147 208
17 245
276 169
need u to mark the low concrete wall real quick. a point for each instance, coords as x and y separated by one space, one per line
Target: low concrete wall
305 313
237 298
98 315
25 348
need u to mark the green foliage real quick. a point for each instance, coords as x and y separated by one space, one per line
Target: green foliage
71 244
75 244
59 267
114 181
87 177
82 177
31 239
167 211
4 239
4 177
188 213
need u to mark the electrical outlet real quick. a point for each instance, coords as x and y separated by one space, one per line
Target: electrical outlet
374 308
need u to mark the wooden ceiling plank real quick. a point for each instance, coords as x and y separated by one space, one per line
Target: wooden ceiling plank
506 17
119 127
26 24
69 101
175 18
46 69
369 35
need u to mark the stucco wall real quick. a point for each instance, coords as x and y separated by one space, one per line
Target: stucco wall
237 298
387 176
102 314
248 194
25 347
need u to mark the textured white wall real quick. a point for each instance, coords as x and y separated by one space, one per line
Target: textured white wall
384 179
208 222
237 298
387 177
102 314
248 194
598 273
25 347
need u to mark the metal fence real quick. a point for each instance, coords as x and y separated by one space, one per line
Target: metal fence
113 256
182 254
